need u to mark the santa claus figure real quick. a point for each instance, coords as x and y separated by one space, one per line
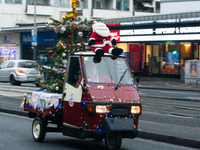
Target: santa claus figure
101 41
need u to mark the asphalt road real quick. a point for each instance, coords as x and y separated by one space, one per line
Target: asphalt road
16 134
173 120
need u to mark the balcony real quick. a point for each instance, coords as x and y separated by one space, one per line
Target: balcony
106 14
40 10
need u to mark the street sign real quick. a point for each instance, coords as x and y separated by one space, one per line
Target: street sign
34 40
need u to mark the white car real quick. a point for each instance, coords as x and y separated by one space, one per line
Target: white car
19 71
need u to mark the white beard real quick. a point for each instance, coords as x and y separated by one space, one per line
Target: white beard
102 31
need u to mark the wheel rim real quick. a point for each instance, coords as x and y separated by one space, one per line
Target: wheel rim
110 139
36 129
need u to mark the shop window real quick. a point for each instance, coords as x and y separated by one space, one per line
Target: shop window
185 52
196 51
8 52
122 5
172 58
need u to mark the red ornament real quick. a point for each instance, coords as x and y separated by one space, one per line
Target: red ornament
51 52
73 18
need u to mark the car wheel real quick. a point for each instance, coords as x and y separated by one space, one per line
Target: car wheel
13 81
37 85
113 140
38 129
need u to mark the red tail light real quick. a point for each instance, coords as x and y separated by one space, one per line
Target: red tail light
19 71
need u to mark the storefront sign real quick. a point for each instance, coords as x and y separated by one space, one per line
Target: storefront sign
115 34
43 38
173 30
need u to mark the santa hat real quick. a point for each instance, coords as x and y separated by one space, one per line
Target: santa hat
95 24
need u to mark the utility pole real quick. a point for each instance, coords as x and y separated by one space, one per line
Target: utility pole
34 34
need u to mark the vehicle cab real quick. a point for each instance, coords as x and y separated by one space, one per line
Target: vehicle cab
100 100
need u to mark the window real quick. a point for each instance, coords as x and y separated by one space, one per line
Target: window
157 7
82 4
3 65
62 3
122 5
143 6
74 68
27 64
13 1
38 2
10 64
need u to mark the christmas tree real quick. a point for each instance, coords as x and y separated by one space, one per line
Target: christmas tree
73 30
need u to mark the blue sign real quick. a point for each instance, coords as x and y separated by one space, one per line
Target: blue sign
42 38
172 58
34 38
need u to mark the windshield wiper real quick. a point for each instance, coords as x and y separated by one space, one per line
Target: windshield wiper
121 79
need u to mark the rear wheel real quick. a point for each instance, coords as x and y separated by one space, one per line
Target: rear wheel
38 129
13 81
113 140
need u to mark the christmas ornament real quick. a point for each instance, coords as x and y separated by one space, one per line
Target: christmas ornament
51 52
62 29
80 34
63 54
57 88
73 18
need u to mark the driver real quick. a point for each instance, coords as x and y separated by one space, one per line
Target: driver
96 74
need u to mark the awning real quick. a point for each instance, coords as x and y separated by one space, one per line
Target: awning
147 5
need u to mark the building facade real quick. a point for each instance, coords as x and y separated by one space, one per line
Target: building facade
17 19
158 45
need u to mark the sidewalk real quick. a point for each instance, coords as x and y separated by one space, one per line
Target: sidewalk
166 83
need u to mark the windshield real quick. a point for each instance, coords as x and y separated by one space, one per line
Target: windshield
107 71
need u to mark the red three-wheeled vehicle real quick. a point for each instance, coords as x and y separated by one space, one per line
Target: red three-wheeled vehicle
99 100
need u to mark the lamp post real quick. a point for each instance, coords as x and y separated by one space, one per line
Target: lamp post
34 34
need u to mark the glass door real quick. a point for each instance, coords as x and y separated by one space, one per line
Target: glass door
155 59
148 59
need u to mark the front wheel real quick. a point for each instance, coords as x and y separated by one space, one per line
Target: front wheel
38 129
113 140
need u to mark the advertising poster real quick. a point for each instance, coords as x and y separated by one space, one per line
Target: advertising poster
193 68
172 58
134 57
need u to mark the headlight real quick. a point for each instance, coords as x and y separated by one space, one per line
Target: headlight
102 109
135 109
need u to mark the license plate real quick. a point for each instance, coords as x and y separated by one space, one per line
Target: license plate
30 77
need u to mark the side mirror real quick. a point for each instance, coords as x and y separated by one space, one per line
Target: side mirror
76 77
138 79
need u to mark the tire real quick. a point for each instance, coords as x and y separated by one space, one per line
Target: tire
37 85
38 129
113 140
13 81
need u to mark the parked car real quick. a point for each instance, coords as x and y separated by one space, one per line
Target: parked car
19 71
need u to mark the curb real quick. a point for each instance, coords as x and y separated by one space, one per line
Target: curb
142 134
163 88
169 139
